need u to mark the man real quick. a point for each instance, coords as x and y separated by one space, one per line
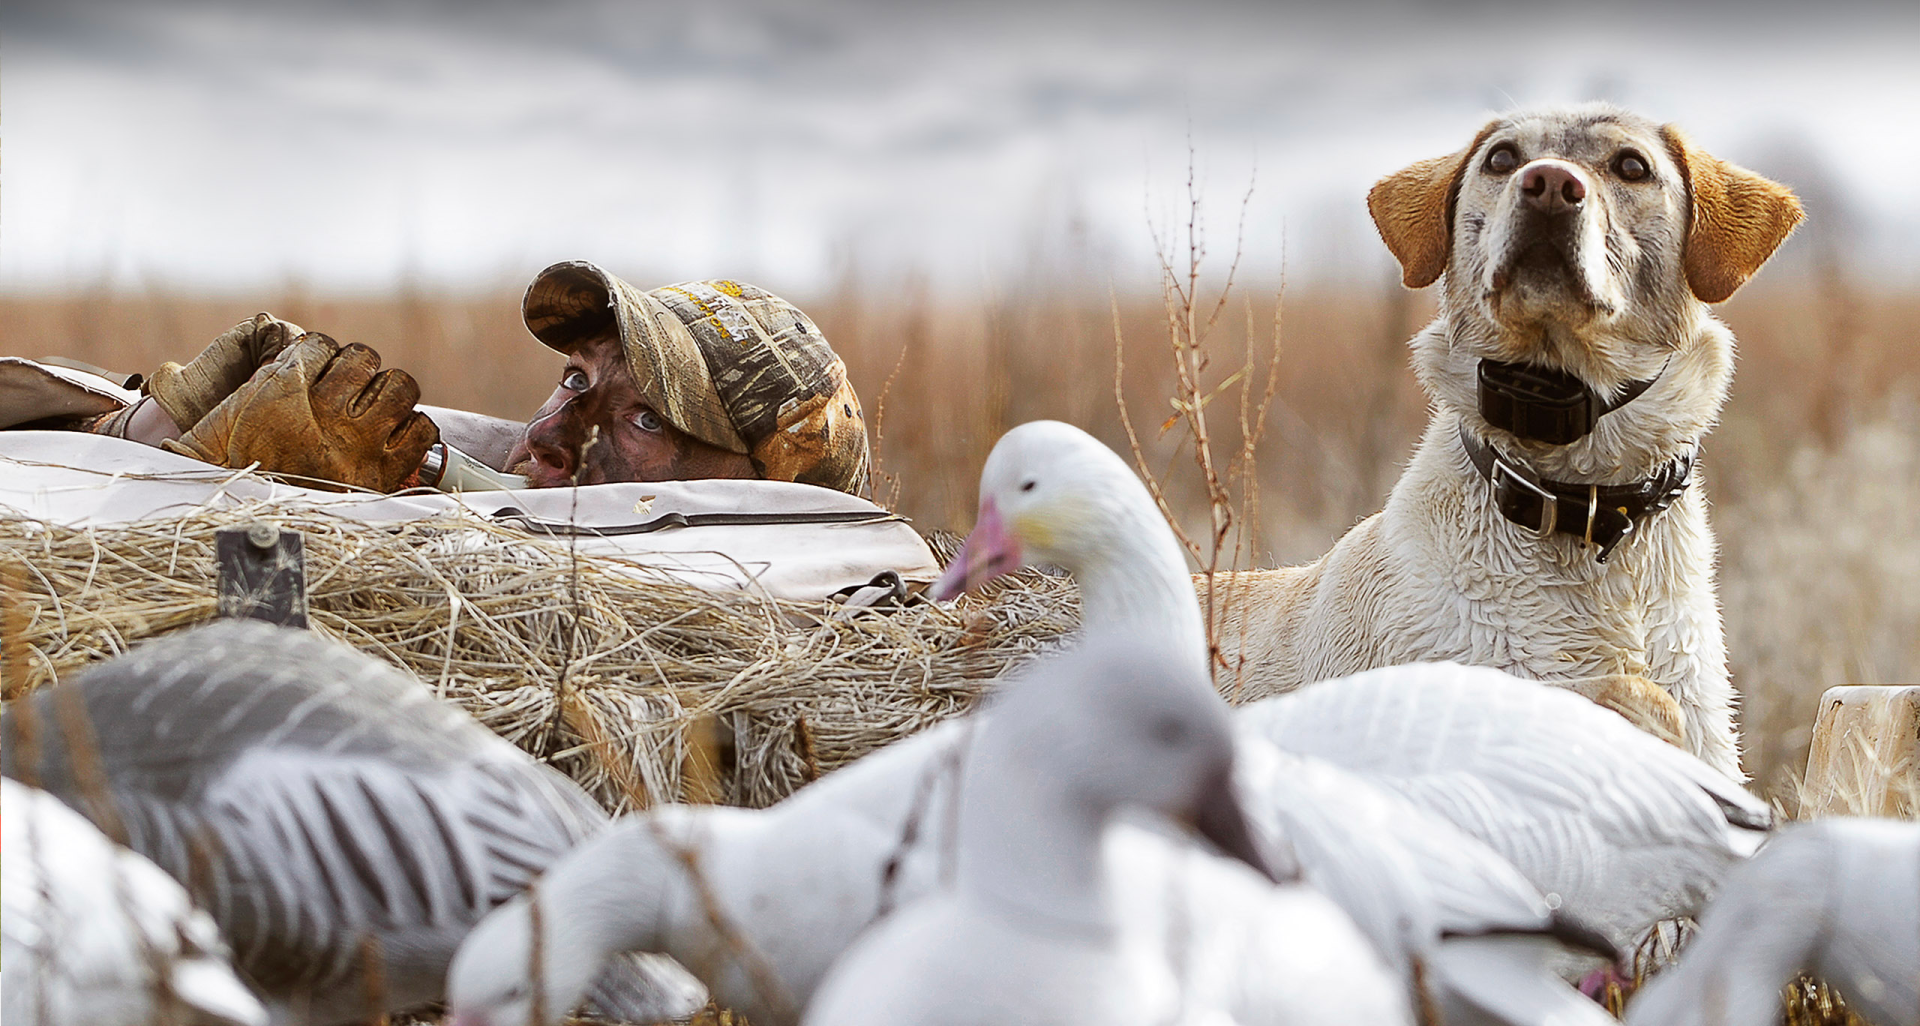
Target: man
714 379
701 380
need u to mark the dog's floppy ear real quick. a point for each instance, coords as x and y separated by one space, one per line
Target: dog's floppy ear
1413 211
1738 220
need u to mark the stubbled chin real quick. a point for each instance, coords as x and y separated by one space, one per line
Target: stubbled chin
539 476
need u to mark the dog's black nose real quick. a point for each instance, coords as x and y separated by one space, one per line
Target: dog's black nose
1551 187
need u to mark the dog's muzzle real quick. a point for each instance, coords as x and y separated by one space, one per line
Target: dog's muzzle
1541 405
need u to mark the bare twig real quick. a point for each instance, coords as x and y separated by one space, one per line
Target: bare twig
1231 486
573 592
13 627
765 981
1133 438
537 958
373 980
878 475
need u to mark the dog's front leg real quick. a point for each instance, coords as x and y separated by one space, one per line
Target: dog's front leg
1645 704
1686 643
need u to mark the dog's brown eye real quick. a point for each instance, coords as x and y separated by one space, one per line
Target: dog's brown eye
1503 160
1630 166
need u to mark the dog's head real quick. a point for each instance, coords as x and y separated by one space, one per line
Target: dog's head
1586 241
1580 223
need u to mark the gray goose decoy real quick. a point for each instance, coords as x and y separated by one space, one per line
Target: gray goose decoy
342 826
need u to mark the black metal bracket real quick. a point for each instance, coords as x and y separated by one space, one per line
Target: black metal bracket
263 574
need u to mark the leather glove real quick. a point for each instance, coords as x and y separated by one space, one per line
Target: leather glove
188 392
320 411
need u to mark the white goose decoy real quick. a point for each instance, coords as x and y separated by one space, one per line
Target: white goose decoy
758 903
1838 898
1618 828
780 893
1031 930
1476 942
96 935
326 810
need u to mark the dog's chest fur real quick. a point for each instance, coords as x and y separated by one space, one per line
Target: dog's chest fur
1439 574
1467 585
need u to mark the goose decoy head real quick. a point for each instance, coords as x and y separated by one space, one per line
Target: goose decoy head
1050 493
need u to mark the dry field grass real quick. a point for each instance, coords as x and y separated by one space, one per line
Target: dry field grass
1814 473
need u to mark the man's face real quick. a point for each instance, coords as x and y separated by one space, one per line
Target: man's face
632 443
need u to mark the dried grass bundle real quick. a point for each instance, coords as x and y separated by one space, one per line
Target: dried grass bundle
1806 1001
1810 1002
640 687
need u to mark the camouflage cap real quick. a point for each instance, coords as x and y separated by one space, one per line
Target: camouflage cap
729 363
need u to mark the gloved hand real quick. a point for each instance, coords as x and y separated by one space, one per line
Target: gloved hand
188 392
319 411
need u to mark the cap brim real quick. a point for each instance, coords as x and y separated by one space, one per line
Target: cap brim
574 302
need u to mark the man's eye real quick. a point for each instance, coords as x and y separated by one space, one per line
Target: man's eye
574 381
647 420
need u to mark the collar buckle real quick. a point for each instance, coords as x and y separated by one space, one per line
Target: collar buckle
1514 505
1600 516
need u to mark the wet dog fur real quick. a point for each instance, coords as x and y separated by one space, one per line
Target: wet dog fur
1608 278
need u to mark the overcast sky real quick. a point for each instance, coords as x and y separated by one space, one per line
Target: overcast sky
349 145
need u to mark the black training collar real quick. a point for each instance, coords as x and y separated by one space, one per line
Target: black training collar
1602 515
1541 405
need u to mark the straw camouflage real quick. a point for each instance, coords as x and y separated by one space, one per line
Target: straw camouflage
729 363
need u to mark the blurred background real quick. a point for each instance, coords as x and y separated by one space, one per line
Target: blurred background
973 200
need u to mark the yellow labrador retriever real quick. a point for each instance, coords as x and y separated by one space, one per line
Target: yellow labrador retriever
1551 522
